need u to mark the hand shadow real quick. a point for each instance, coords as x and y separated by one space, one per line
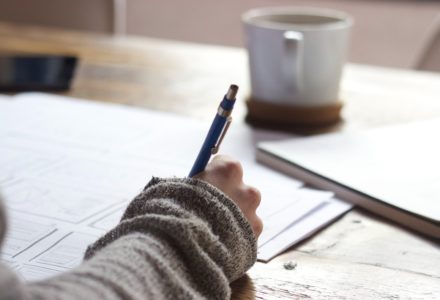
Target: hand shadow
243 289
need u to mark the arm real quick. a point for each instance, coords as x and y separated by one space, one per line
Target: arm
179 239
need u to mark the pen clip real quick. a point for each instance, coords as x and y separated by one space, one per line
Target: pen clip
216 147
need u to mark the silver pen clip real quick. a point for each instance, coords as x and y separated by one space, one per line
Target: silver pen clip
215 149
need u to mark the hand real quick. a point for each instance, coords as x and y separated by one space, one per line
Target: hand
226 174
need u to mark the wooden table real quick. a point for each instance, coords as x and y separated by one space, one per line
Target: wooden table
360 256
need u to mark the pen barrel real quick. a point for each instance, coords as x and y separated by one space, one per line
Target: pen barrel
210 142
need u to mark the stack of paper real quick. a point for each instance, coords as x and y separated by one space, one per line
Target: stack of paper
68 168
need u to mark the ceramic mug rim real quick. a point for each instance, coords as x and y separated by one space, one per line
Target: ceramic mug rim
255 17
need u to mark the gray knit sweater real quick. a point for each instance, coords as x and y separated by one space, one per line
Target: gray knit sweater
178 239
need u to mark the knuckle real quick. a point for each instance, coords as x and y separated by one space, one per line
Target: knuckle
254 195
231 168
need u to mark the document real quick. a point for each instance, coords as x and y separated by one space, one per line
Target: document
69 168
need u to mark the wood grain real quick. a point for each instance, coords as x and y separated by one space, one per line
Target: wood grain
360 256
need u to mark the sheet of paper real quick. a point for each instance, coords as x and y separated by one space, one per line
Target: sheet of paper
22 234
303 228
68 169
278 217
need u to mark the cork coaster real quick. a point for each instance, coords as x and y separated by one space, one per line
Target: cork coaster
264 114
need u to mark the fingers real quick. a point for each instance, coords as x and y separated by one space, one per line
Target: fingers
227 167
252 195
251 200
226 174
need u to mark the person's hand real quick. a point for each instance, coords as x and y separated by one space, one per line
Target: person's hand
226 174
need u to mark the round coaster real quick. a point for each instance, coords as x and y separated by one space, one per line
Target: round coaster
272 114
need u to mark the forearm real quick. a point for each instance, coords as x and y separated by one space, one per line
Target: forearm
179 239
135 266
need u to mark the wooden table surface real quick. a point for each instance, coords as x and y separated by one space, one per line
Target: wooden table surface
360 256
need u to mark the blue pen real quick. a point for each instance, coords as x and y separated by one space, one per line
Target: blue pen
216 132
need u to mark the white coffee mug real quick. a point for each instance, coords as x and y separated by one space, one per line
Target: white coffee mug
296 55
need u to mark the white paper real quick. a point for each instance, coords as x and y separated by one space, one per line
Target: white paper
303 228
22 234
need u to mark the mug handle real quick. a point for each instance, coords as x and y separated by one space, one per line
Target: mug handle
293 65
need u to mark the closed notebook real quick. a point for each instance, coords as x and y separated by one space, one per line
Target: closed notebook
393 171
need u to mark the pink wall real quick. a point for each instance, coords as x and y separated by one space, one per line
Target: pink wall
387 32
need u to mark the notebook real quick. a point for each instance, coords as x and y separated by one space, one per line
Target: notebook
392 171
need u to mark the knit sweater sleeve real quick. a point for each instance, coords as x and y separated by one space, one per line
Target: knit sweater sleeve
178 239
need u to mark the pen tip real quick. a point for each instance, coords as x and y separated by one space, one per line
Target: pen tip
232 92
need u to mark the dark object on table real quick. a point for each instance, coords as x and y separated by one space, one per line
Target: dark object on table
36 72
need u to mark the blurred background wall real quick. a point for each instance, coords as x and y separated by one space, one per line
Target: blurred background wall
395 33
